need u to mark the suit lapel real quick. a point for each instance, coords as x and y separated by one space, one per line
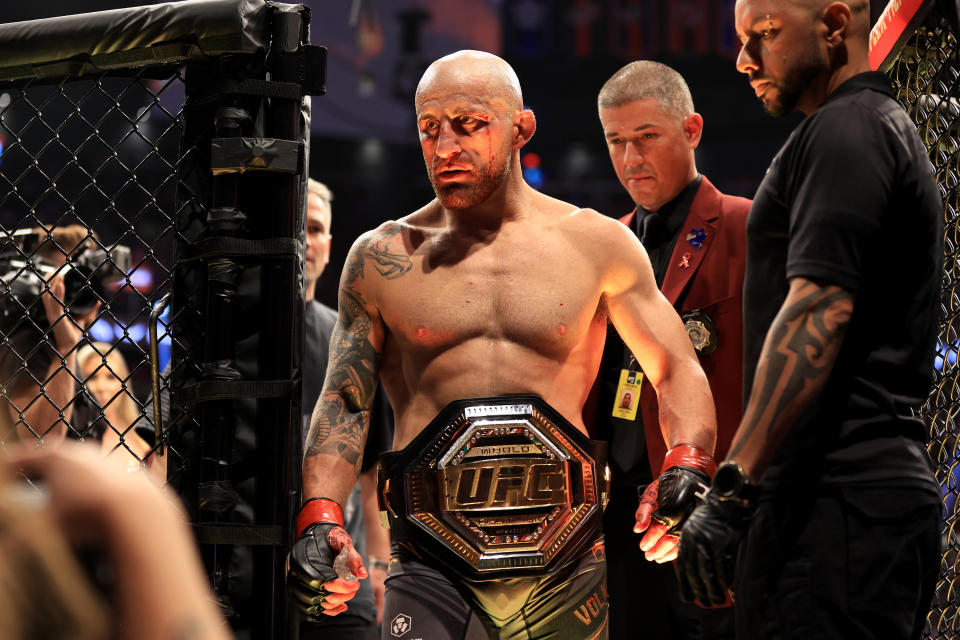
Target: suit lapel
687 258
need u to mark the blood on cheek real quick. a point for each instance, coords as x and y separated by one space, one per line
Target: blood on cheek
486 136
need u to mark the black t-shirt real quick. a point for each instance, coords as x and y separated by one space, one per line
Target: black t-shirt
851 200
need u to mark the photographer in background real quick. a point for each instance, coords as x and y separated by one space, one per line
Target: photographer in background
37 358
104 372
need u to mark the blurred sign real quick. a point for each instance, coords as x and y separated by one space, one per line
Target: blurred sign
623 29
893 27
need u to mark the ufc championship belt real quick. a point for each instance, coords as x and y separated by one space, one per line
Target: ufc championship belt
497 488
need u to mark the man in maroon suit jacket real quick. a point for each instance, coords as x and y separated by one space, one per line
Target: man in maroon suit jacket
695 238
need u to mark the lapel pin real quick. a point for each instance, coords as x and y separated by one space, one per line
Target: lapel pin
696 237
684 261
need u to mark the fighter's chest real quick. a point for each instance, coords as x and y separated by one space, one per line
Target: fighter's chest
534 298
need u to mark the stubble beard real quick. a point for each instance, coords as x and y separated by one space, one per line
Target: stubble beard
465 196
795 83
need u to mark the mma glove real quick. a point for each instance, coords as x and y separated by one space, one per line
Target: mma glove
323 566
668 500
712 535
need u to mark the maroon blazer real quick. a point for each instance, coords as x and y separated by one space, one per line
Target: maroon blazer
709 279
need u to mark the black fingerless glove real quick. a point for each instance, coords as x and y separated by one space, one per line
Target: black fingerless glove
310 564
684 477
679 490
710 540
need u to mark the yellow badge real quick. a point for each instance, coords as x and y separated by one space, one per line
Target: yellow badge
628 395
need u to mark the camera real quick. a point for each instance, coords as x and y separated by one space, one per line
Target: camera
24 272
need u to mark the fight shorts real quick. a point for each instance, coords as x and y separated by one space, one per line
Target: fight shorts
425 602
497 504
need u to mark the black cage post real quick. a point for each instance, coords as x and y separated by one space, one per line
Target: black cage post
246 253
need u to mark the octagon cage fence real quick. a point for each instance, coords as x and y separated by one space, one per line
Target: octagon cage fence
926 74
152 184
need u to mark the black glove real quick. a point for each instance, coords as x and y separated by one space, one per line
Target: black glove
708 547
322 566
678 492
669 499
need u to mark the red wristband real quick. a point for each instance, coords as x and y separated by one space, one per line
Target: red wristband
317 510
690 455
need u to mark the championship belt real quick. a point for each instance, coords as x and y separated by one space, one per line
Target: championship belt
497 488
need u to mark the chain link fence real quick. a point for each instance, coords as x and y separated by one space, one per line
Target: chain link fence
88 177
927 77
152 179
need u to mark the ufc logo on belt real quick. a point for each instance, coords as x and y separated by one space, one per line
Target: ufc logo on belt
505 484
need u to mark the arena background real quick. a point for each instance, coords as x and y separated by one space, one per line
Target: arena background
363 141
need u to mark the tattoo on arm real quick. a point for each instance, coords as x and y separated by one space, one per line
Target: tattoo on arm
797 358
339 423
389 265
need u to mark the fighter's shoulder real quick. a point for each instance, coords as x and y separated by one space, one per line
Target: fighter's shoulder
391 230
600 228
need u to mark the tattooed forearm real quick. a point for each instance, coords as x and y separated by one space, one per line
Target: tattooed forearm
797 358
337 430
339 422
338 425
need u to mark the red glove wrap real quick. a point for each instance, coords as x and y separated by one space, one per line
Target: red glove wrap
317 510
690 455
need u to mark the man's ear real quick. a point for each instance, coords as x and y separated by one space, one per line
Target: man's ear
693 129
837 18
526 124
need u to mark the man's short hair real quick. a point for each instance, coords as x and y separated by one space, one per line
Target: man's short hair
320 190
323 192
644 79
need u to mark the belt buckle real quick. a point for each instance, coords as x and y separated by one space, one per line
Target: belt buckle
507 486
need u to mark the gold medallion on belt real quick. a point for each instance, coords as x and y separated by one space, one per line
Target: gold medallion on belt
503 486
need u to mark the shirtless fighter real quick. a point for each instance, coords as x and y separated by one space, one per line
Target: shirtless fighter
484 314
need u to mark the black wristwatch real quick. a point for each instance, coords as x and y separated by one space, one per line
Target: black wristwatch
731 483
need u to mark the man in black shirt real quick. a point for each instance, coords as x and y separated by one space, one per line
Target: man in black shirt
695 238
828 475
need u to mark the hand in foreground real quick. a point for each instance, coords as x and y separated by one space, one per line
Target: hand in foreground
708 548
323 566
161 589
669 499
85 492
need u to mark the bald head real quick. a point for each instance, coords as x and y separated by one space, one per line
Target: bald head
859 13
476 73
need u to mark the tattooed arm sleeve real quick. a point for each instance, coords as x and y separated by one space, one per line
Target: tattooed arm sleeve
798 355
338 428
